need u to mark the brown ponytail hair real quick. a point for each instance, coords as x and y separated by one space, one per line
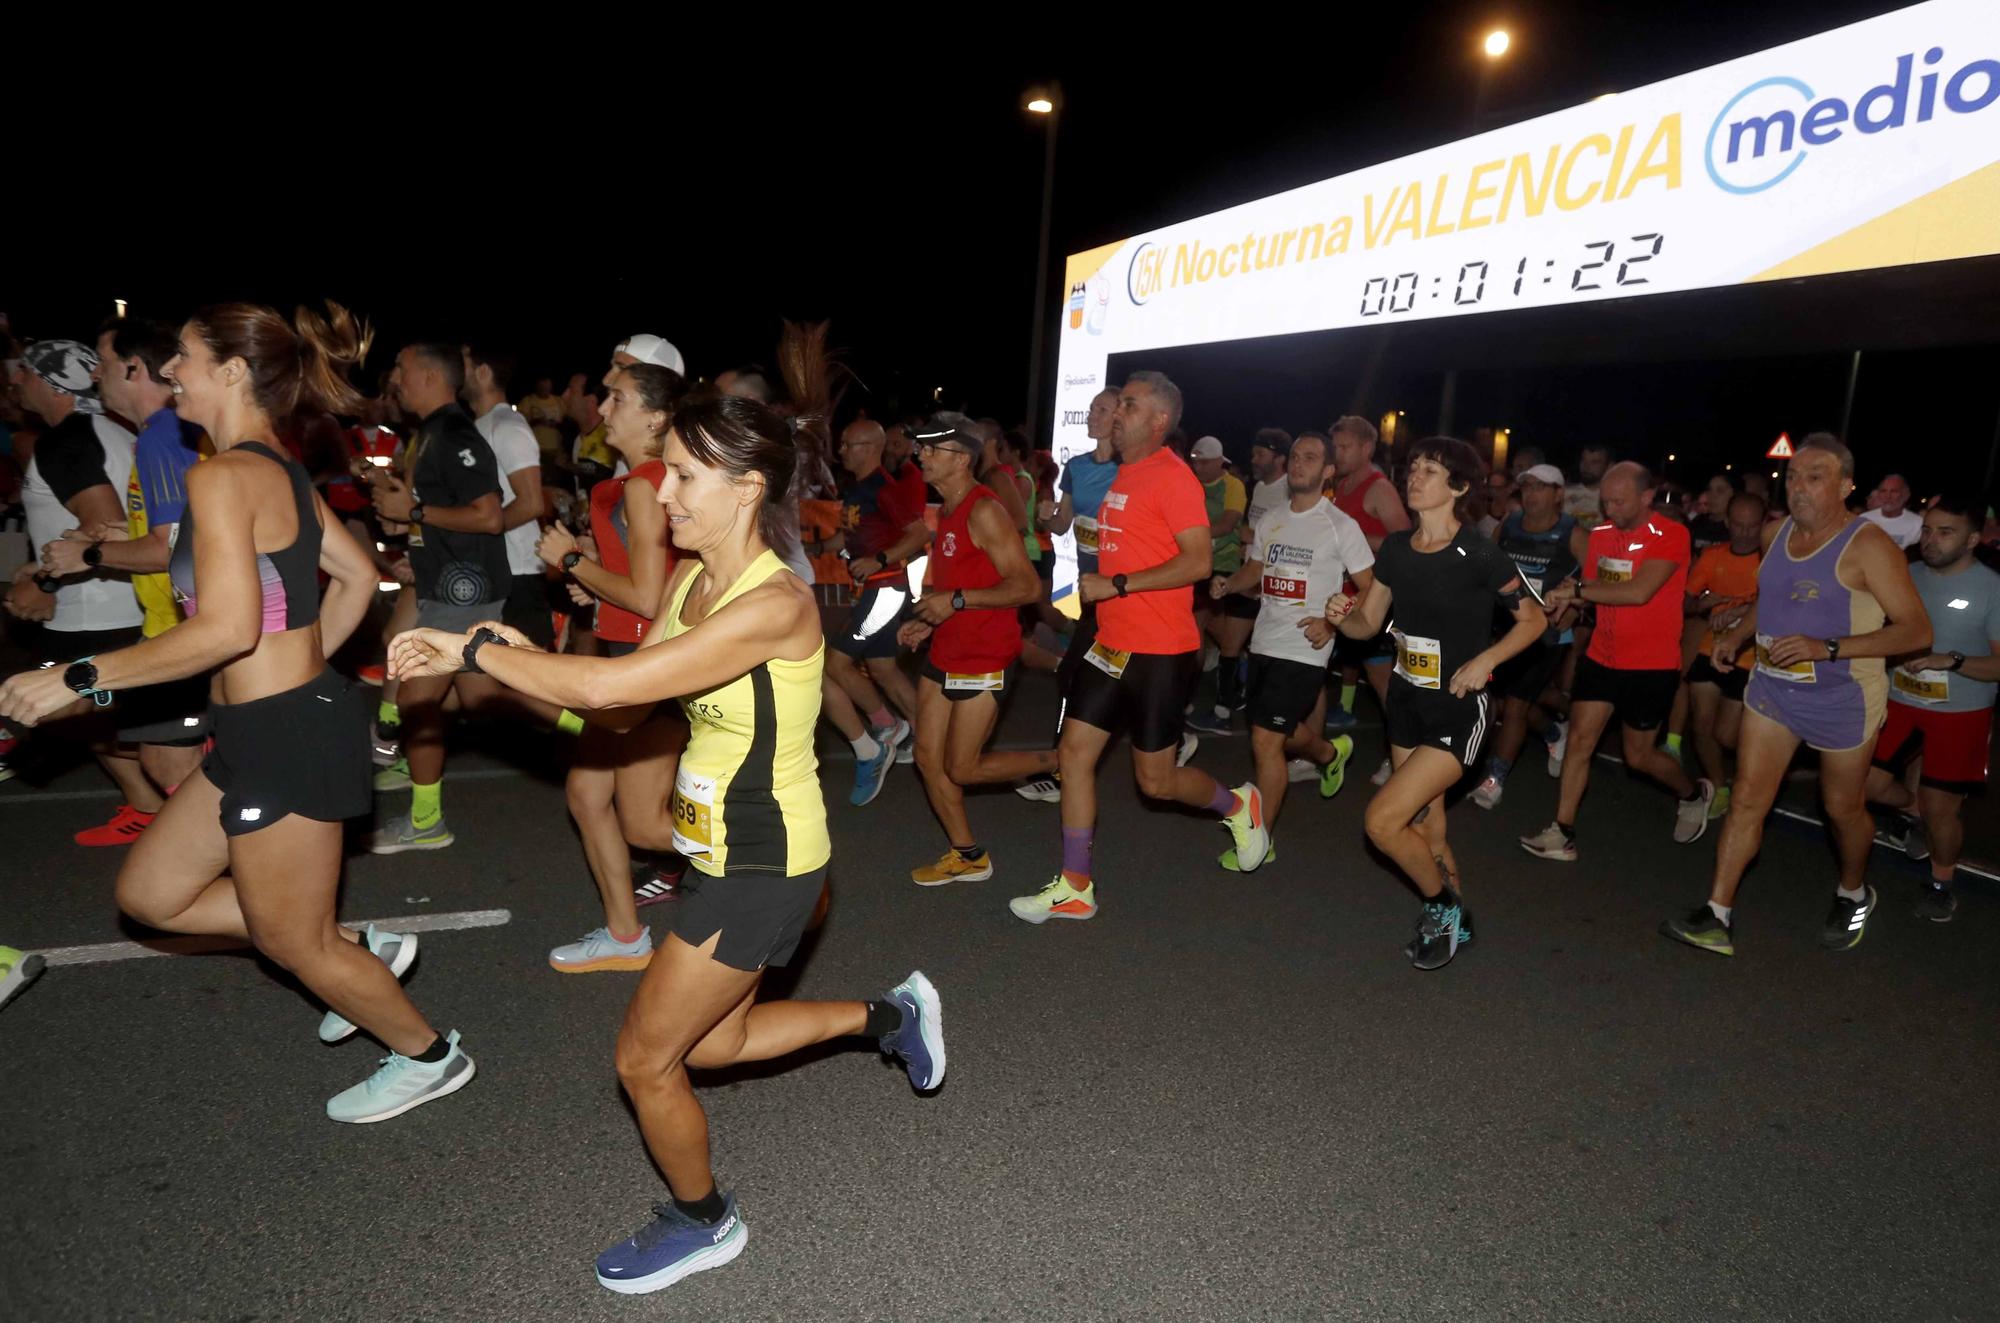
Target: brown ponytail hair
289 367
741 436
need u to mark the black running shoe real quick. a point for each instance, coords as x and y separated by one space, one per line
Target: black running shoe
1438 933
1937 902
1847 921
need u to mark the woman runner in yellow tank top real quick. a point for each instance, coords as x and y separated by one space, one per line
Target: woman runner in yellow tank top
738 642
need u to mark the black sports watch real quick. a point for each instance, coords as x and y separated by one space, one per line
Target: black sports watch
1833 649
480 638
81 676
93 555
958 599
1118 584
570 560
1957 660
416 512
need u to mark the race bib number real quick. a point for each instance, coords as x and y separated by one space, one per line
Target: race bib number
1109 660
1923 686
977 684
1796 673
416 535
693 809
1085 529
1280 589
1420 660
1612 570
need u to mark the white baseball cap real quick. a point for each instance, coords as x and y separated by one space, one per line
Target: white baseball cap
1206 448
1547 473
655 350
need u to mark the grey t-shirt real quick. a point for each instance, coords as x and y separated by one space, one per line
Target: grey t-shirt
1965 617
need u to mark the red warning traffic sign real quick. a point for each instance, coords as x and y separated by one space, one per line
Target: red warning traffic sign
1781 448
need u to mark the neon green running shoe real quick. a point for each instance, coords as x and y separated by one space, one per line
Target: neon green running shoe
17 970
396 776
1334 775
1229 864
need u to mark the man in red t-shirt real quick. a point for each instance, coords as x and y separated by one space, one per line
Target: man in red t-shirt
1153 546
1635 568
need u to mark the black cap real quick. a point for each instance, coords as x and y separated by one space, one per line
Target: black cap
949 429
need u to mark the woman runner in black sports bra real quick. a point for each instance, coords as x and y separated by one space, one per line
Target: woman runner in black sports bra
250 846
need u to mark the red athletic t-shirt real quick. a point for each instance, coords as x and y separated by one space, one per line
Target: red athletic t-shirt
976 641
1638 638
607 525
1149 504
1354 505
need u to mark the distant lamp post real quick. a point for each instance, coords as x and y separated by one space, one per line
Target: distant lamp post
120 305
1046 102
1497 42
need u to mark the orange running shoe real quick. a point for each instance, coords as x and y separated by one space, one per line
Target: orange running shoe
123 829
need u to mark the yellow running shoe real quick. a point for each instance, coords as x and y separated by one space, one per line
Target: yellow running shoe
1246 825
17 970
952 867
1057 900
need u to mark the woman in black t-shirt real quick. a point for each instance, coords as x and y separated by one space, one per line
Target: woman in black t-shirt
1441 579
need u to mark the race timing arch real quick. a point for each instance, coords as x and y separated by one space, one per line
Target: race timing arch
1869 148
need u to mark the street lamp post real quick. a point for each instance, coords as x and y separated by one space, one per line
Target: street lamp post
1046 102
1495 45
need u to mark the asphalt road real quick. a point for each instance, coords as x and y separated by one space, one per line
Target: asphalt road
1225 1098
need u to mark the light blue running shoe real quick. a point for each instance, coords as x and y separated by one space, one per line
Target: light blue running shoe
402 1083
396 950
869 776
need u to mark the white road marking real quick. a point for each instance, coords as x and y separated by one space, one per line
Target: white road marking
25 797
99 952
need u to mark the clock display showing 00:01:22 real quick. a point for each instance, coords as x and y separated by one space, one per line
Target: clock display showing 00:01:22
1399 293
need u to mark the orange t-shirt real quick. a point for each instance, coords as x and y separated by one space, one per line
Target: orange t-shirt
1732 578
1149 503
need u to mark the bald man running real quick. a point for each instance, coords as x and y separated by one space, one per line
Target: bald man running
1635 567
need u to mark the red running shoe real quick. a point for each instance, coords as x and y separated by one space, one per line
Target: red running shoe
123 829
663 883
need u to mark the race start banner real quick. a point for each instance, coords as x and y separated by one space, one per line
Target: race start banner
1873 145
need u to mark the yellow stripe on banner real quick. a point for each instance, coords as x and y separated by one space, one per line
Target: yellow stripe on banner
1962 219
1079 267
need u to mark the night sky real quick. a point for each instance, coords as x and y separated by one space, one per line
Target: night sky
558 190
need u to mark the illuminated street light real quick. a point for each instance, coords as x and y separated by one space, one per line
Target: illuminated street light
1041 105
1497 42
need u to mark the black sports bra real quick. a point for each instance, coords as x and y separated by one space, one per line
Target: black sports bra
289 577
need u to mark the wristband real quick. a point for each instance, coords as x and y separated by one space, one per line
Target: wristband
1118 584
480 638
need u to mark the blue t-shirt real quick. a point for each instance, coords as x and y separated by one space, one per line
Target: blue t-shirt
1085 481
162 455
1965 617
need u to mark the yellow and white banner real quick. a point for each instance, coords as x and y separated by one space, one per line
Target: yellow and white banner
1874 145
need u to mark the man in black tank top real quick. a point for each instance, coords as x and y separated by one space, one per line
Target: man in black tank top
450 504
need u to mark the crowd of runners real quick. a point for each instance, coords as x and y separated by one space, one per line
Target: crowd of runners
685 576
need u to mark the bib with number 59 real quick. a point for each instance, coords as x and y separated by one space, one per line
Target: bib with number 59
1420 660
693 808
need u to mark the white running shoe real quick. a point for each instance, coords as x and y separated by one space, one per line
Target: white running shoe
1188 745
400 1084
1557 747
1302 769
1691 815
1041 790
1383 773
1487 794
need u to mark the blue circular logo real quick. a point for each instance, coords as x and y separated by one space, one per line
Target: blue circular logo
1764 127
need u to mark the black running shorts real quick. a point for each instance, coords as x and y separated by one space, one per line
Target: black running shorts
871 625
959 686
1144 694
1282 692
1528 672
303 751
1642 698
1419 717
760 917
1732 682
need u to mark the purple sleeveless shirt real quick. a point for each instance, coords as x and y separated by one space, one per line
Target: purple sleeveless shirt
1831 705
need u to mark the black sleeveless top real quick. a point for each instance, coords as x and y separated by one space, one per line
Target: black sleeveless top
289 577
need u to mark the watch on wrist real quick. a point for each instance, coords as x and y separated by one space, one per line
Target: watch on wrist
958 599
81 676
570 560
1957 660
416 512
1118 584
1833 649
480 638
93 555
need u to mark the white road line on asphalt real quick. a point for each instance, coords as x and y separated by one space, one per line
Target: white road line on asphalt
17 799
100 952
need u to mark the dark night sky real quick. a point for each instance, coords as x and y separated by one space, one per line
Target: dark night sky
660 178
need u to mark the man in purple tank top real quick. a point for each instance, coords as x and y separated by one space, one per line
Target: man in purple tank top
1834 598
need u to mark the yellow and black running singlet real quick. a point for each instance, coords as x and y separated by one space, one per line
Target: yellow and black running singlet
747 796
